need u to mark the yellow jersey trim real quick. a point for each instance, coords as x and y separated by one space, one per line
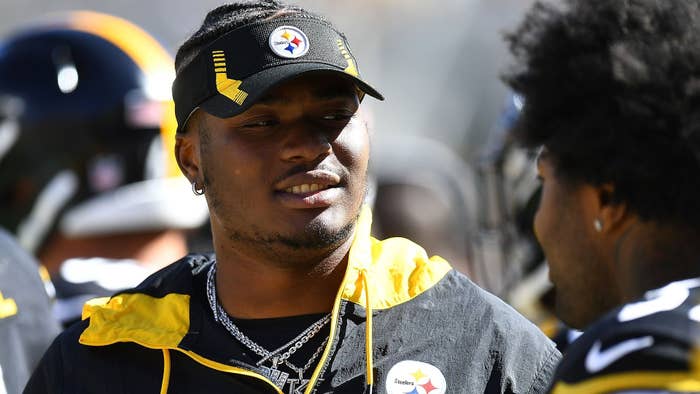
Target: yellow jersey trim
681 382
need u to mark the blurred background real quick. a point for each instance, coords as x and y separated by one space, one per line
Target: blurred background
436 62
443 171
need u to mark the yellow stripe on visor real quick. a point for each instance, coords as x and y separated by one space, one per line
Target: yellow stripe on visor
150 56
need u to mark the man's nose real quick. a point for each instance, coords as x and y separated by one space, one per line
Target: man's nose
305 143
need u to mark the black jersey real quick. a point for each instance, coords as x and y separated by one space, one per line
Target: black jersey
649 346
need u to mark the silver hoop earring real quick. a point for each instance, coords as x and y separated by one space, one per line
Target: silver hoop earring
598 225
197 192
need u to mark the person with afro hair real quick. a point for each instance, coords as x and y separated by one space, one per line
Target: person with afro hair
612 100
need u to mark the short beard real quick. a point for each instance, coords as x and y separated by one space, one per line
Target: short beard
305 250
315 237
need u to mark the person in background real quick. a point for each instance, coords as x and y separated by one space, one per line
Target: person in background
421 191
26 325
85 181
298 297
611 92
508 197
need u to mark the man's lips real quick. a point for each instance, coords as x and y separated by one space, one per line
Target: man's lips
309 181
311 189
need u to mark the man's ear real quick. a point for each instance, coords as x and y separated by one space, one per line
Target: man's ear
613 215
187 155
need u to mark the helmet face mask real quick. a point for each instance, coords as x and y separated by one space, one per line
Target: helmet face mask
77 103
508 198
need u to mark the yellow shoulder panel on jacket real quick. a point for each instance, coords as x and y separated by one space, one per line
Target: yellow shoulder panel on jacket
150 321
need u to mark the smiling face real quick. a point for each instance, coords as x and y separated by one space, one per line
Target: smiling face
286 178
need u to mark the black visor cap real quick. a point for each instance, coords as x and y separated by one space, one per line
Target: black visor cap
236 70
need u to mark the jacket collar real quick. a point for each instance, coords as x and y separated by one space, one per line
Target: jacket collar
394 271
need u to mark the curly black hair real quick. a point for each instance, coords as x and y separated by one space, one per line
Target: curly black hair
227 17
612 89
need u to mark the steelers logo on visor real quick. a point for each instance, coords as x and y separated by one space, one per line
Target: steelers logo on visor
289 42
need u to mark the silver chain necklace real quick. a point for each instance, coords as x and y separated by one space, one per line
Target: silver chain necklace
274 357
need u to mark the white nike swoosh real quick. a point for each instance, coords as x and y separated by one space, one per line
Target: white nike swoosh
597 360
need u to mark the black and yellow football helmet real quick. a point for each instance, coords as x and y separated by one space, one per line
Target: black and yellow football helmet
86 131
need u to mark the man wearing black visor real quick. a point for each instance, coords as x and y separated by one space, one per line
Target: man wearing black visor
298 297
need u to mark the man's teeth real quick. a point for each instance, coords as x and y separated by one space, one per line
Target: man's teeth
305 188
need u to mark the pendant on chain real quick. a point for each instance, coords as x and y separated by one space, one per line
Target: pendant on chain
279 378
